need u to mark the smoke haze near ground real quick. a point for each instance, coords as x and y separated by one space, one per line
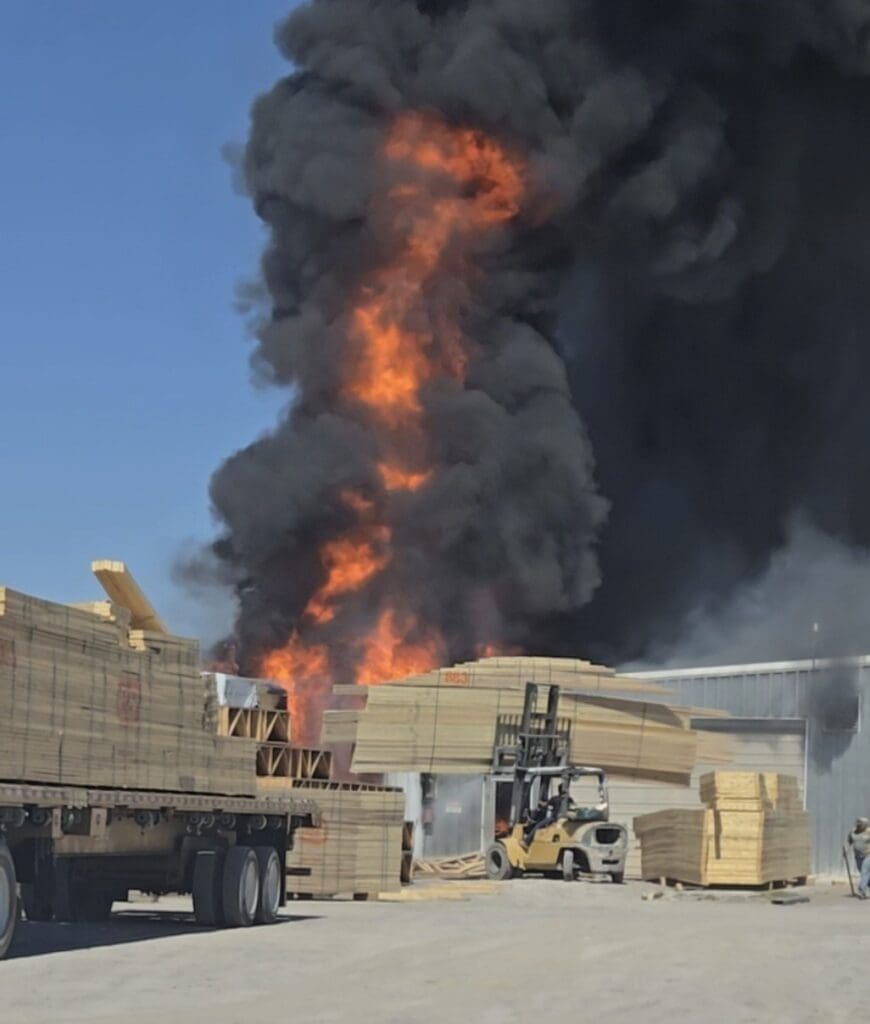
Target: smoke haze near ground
671 328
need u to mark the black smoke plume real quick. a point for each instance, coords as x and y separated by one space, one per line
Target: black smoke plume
688 273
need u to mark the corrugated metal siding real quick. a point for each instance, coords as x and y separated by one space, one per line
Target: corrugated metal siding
838 762
456 816
755 748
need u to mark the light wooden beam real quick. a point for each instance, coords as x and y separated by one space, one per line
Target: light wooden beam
120 587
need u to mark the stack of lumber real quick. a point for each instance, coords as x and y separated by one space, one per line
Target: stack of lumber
753 831
358 847
445 728
100 695
515 671
750 791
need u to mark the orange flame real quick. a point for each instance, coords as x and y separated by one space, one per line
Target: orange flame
393 361
350 562
394 478
388 653
304 673
449 186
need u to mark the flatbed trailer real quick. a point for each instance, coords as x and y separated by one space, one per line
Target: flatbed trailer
72 852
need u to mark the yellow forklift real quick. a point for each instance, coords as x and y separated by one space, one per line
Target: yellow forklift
548 832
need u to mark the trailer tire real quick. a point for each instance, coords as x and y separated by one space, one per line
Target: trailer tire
38 904
498 865
208 907
241 886
8 899
270 884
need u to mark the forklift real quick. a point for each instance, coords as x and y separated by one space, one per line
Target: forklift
567 839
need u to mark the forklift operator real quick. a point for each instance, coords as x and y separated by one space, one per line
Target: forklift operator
538 817
561 803
547 812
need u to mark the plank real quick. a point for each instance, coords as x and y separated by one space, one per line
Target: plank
120 586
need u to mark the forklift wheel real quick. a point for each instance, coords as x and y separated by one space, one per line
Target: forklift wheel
498 865
568 866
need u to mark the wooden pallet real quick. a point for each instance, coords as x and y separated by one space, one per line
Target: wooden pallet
259 724
468 867
274 760
311 764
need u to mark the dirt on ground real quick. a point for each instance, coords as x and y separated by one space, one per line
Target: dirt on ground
534 951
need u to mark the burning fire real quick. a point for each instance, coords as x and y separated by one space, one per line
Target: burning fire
350 562
449 186
387 653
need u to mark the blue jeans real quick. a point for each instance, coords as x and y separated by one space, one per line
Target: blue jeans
529 834
864 880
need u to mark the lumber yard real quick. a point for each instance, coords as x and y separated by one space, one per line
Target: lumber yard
125 767
498 644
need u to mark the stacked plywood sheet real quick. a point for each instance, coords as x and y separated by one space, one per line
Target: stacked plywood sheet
445 729
752 832
84 700
515 671
358 847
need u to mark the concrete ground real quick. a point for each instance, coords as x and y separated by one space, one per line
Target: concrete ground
534 951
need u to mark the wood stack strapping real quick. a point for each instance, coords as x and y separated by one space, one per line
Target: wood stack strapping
753 832
82 702
445 729
358 847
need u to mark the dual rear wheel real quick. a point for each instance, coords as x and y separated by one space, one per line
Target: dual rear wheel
8 899
237 887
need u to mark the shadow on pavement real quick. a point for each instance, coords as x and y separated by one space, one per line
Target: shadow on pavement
38 938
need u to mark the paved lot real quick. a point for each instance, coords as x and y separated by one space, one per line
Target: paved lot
536 950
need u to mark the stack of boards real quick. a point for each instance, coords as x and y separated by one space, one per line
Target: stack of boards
446 721
753 831
357 850
89 696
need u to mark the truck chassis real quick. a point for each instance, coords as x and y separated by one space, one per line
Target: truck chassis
74 851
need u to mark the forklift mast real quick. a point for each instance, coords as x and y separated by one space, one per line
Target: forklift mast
539 740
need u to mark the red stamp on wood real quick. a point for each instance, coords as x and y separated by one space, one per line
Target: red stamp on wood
454 678
129 699
7 654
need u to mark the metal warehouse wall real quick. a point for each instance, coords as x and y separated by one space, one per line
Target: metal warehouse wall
830 696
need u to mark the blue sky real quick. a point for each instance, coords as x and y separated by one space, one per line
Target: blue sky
123 362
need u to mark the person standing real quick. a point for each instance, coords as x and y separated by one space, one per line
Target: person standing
859 840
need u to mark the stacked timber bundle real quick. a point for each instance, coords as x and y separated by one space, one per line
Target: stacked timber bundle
357 850
101 695
512 673
447 728
753 831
